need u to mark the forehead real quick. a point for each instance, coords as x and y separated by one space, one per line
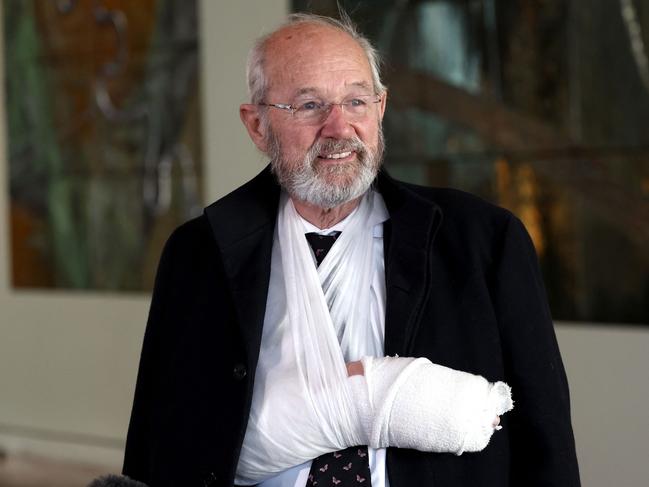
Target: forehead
315 58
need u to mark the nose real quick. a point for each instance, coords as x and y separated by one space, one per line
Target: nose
336 125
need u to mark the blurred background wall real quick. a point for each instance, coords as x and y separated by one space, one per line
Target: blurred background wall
68 359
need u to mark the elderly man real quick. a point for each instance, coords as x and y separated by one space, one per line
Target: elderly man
305 329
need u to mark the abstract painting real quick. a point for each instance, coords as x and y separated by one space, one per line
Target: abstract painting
103 122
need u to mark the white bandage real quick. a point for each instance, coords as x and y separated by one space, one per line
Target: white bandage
413 403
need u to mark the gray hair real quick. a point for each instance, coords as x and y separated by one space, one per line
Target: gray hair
257 81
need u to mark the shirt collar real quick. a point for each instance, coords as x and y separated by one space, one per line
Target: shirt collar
338 227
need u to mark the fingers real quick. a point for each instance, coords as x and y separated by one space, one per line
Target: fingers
355 368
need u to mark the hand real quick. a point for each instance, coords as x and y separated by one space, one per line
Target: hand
355 368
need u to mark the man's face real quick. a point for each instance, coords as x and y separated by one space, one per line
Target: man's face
332 160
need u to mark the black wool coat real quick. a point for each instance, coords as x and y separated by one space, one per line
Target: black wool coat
463 290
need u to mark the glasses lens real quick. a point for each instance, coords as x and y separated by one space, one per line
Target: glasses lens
354 107
357 106
310 111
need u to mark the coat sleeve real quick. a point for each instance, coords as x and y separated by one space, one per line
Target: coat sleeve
542 442
149 403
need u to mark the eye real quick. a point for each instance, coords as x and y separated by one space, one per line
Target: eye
309 106
356 102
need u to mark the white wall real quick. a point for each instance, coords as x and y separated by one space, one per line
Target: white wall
68 360
228 30
608 370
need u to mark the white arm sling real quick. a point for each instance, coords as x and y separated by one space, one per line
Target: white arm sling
304 405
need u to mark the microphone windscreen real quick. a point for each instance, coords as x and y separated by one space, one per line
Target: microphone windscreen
115 481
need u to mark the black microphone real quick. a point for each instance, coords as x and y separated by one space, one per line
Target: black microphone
115 481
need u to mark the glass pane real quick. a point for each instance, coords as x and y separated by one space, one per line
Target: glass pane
540 107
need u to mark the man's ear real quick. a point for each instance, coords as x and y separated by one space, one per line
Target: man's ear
251 118
384 101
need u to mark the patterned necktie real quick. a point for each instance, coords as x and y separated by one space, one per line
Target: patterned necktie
321 244
344 468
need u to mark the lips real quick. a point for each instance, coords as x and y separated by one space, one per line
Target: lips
337 152
336 155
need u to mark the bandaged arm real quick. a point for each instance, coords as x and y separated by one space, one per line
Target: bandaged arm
413 403
398 402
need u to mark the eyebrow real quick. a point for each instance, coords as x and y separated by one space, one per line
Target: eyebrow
306 91
362 84
314 91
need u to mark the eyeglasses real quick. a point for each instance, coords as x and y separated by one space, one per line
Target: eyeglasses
314 111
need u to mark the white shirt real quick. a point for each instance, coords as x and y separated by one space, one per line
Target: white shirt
297 476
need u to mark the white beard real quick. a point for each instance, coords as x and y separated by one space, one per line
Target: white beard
322 185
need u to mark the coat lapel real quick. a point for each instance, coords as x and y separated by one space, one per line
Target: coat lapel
243 223
408 262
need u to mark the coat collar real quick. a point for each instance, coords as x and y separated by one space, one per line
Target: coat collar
243 223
